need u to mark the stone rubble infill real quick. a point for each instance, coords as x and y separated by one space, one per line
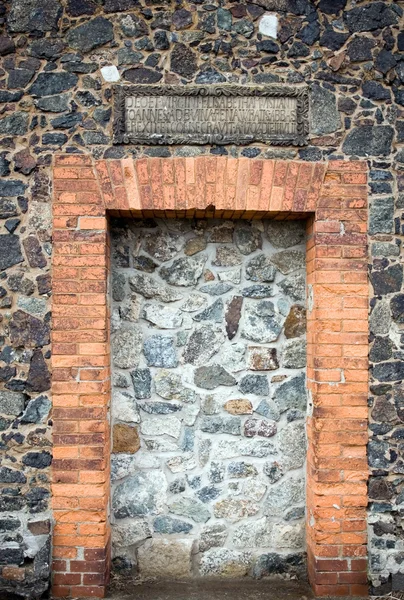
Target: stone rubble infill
209 398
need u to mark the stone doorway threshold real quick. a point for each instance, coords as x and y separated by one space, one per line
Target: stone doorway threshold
209 589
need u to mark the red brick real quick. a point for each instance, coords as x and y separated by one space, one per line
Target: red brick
337 340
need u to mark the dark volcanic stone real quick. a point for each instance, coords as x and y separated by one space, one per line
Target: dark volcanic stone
19 78
8 475
389 371
267 46
233 315
26 330
9 524
388 281
182 19
375 15
15 124
332 7
48 84
334 40
383 411
4 165
6 96
324 114
7 373
76 8
381 215
142 75
55 104
87 99
37 499
37 410
45 48
10 251
144 263
310 33
28 16
91 34
183 61
34 252
161 40
380 489
399 95
113 6
397 308
369 140
209 75
276 564
298 49
133 26
38 379
382 349
11 556
67 121
38 460
7 208
7 45
375 91
360 49
385 61
44 284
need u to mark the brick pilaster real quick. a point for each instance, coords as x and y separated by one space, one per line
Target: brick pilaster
337 371
80 381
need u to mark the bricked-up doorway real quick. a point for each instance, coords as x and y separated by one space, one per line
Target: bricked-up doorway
333 198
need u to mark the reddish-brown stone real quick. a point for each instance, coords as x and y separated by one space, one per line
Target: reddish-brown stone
125 439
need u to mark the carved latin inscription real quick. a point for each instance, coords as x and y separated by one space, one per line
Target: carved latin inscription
224 116
210 115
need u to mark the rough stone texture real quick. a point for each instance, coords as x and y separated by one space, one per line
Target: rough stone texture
194 406
184 271
126 348
324 114
169 558
225 563
222 43
125 439
160 351
140 495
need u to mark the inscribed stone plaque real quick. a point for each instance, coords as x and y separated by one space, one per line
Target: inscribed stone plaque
211 115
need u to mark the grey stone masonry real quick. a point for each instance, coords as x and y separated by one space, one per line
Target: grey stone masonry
209 397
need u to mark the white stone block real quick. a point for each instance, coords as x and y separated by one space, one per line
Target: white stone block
268 25
110 73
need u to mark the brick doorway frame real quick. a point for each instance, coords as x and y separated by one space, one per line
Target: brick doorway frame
333 198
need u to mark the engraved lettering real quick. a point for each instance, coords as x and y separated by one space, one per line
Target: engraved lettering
219 115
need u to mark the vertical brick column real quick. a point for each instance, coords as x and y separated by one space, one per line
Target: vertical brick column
338 383
80 381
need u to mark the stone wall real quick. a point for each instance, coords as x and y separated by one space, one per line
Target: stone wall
55 98
209 399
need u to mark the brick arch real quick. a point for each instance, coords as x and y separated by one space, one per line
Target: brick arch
333 198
